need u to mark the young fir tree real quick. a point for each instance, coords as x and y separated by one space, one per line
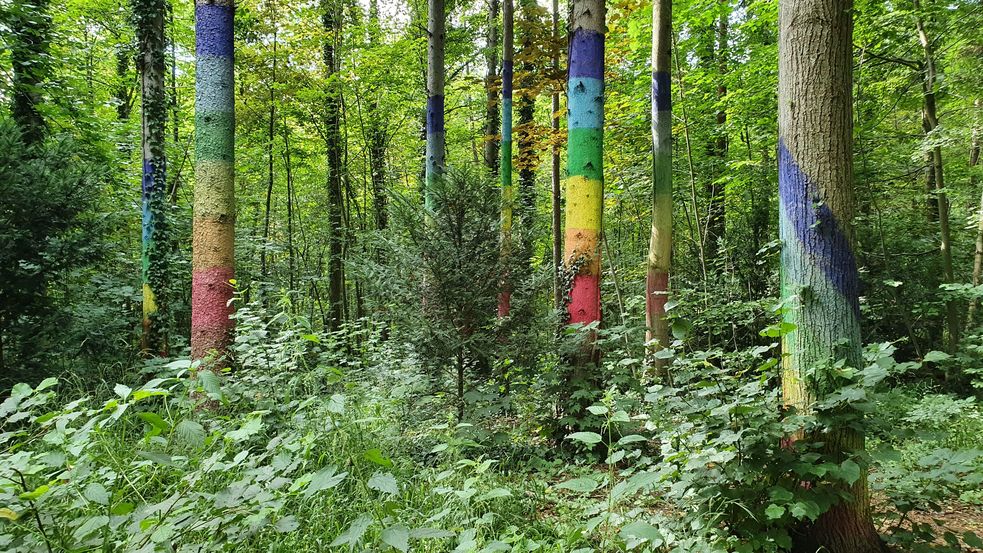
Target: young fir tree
505 167
149 18
660 244
213 261
435 154
585 188
820 281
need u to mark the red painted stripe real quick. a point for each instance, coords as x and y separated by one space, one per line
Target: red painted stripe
210 310
585 299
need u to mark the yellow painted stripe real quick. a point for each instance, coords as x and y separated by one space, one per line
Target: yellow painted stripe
583 244
212 243
584 203
214 189
149 301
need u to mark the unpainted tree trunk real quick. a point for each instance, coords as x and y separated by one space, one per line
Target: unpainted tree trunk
556 206
974 161
30 29
820 280
332 21
491 75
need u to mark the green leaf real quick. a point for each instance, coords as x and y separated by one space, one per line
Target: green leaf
8 514
397 537
849 471
589 438
632 438
775 511
287 524
495 494
598 409
36 493
122 390
212 384
252 426
90 526
158 458
336 404
972 540
45 384
384 482
190 432
155 420
354 532
375 456
325 479
580 485
935 356
644 531
96 493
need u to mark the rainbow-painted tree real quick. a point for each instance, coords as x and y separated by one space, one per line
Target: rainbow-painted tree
660 245
820 281
436 23
213 261
585 146
149 19
505 165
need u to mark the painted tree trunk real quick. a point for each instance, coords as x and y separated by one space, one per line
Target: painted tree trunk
213 260
660 244
505 166
558 292
930 120
435 154
30 27
585 148
331 19
491 108
820 281
149 17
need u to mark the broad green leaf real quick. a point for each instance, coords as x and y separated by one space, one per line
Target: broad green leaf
935 356
96 493
122 390
494 494
375 456
252 426
354 532
774 511
325 479
850 471
643 530
384 482
598 409
287 524
581 485
90 526
589 438
155 420
397 537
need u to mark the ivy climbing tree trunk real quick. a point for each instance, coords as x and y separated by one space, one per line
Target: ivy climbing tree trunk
527 158
213 259
435 154
30 25
716 190
558 292
491 73
149 19
660 244
331 19
505 167
377 137
820 281
585 148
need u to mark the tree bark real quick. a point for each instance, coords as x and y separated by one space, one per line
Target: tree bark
820 281
974 160
505 168
716 191
149 17
435 153
331 20
556 206
660 244
213 258
30 26
491 108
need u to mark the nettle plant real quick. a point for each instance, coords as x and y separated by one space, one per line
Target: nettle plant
707 463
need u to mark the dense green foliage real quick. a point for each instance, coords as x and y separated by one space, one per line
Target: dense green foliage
421 421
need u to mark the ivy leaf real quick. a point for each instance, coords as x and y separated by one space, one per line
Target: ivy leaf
850 471
774 511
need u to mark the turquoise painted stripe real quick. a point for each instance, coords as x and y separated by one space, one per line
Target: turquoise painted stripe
216 91
586 103
507 120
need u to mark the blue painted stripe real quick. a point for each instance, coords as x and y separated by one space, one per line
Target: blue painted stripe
587 55
435 115
814 225
214 30
661 91
586 104
507 78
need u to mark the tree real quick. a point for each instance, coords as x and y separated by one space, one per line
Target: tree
491 109
505 167
435 152
30 26
660 244
213 260
331 19
377 136
820 281
149 24
555 163
585 184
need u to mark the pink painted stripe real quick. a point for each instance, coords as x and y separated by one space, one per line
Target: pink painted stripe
210 295
585 299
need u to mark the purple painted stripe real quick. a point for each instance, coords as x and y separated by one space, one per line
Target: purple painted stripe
816 228
507 79
661 91
213 30
435 114
587 55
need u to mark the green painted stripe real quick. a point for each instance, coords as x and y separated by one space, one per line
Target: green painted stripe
585 153
214 136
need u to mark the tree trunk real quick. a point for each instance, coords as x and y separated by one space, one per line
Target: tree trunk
660 244
30 27
585 184
149 17
527 159
931 123
435 156
974 160
213 259
332 124
505 168
716 191
558 292
491 108
820 281
271 142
